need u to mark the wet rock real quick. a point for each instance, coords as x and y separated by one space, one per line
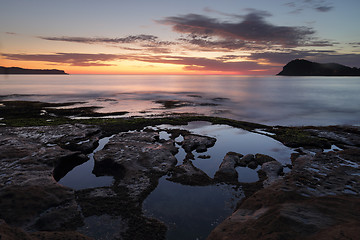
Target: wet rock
262 158
227 171
198 143
31 198
299 137
252 165
318 199
8 232
346 135
133 158
188 174
245 160
273 171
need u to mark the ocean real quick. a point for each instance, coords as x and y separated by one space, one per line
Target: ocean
272 100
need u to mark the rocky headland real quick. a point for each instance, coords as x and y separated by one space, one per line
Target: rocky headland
17 70
301 67
318 199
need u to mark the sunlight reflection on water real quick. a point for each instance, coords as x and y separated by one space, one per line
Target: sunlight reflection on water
269 99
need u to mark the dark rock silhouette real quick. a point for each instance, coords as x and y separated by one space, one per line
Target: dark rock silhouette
17 70
301 67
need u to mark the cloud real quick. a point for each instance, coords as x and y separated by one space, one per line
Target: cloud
72 59
354 44
281 58
128 39
251 28
188 63
323 8
209 45
144 42
317 5
205 64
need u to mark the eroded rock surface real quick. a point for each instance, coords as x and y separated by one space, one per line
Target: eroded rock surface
198 143
133 157
188 174
30 197
227 171
8 232
318 199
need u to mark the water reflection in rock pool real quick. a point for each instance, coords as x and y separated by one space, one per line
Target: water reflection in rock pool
81 177
230 139
190 212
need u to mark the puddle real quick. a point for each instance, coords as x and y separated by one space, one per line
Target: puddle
81 177
247 175
190 212
164 135
230 139
333 148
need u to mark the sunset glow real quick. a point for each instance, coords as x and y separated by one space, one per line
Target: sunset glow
142 37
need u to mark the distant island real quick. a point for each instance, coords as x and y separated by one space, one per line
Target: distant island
301 67
17 70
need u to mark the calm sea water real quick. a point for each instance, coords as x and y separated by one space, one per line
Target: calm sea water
269 99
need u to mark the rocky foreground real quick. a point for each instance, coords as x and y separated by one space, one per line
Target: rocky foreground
318 199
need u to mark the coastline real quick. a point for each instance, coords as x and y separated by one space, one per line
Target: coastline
308 187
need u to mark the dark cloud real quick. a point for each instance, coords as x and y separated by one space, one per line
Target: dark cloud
209 45
144 42
324 8
72 59
101 40
320 43
317 5
281 58
251 28
355 44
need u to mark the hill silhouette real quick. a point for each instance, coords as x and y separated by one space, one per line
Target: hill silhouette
301 67
17 70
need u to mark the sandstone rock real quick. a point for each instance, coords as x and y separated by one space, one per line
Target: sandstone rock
31 198
188 174
345 135
262 158
227 171
273 170
245 160
13 233
198 143
132 157
253 165
319 197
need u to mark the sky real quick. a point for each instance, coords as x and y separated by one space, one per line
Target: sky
247 37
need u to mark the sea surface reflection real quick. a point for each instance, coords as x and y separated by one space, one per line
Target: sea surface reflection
270 100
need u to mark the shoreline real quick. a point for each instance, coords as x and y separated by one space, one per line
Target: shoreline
55 144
